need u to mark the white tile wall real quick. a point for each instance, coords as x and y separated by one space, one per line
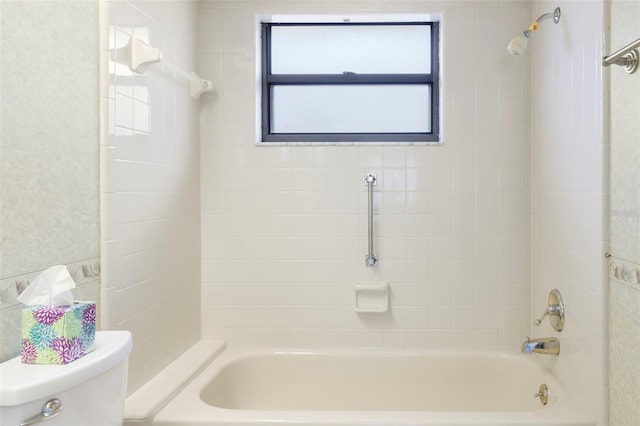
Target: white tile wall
150 188
284 228
569 191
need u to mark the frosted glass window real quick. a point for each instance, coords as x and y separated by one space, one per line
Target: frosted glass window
334 49
344 82
351 109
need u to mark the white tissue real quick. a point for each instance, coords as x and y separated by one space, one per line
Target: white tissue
52 287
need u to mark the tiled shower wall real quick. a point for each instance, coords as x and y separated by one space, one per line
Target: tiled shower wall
624 298
284 227
150 187
569 161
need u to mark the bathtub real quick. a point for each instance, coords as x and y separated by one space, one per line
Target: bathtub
257 387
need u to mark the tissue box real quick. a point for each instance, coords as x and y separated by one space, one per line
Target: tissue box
58 334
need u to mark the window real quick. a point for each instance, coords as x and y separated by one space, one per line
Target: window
350 82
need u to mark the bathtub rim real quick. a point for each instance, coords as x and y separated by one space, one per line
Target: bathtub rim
143 404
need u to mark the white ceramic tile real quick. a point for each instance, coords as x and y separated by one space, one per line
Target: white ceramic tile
393 157
154 212
464 294
440 202
464 317
487 202
561 240
464 202
440 338
440 226
463 249
304 221
417 202
440 178
463 271
417 179
486 271
440 295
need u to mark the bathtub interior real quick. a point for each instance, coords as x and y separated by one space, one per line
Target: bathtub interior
338 382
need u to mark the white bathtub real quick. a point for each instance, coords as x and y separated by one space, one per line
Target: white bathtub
370 388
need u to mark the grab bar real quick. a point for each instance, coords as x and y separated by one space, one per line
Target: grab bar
370 180
626 57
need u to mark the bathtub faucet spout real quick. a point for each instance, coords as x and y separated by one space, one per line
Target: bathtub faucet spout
543 345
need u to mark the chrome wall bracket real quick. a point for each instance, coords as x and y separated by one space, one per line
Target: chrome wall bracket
628 61
631 62
626 57
370 180
371 260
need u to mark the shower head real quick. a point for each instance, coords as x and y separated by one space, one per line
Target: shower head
519 43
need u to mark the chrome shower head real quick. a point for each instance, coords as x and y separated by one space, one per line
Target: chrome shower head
518 45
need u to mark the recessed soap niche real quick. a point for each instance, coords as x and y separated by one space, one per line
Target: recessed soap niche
371 297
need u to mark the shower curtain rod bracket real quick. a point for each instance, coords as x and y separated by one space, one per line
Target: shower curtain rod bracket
197 86
139 55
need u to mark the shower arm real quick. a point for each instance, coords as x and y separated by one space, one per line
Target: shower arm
556 18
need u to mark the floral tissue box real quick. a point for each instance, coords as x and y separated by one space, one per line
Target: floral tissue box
58 334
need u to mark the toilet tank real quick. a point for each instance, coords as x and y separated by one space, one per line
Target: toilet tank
91 390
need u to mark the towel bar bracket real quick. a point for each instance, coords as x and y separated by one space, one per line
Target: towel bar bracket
628 61
626 57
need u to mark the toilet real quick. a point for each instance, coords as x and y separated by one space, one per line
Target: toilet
89 391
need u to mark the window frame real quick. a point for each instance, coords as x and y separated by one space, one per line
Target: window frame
268 80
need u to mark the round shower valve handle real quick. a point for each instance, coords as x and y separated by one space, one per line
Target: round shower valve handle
554 310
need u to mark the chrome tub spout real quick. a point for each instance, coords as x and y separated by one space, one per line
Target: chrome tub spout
542 345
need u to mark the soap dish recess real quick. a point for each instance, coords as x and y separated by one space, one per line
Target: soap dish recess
371 297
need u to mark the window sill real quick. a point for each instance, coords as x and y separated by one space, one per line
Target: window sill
334 143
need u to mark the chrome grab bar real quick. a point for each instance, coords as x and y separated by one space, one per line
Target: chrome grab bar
370 180
626 57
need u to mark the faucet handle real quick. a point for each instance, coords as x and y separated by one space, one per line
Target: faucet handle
555 311
549 310
539 320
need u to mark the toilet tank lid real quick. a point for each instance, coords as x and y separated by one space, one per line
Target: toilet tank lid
22 383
